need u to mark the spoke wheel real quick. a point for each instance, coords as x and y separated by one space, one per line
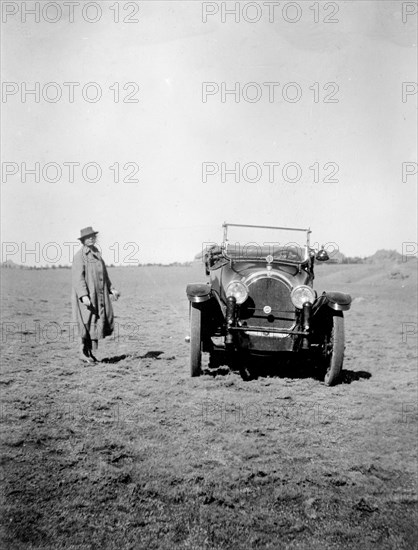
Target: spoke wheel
334 351
195 341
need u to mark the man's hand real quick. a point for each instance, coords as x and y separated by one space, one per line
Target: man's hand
115 294
86 301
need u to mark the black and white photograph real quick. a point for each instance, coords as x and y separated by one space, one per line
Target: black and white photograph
209 275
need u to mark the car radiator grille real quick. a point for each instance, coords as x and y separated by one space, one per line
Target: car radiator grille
268 292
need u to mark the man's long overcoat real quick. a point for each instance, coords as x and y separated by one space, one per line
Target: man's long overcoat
90 278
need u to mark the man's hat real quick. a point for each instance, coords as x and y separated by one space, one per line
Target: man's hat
87 232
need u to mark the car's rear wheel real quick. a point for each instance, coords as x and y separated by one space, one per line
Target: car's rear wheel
195 340
334 350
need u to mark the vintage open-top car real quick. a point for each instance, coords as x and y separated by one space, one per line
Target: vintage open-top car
260 301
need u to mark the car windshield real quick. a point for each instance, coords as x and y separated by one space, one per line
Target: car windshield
261 243
254 252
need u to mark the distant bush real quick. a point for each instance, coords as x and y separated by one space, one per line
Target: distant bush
396 274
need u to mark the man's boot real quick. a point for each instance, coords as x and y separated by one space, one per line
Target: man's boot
93 350
85 351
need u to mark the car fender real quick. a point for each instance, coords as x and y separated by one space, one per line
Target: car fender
198 292
338 301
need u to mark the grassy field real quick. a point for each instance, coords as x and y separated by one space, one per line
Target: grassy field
132 453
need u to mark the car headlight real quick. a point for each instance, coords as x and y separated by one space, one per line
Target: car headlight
302 294
238 290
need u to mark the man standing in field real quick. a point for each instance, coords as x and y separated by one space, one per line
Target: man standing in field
92 293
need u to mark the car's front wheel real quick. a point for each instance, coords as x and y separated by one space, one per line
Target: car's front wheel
195 340
333 351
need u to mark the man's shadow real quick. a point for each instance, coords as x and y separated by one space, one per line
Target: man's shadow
348 376
117 358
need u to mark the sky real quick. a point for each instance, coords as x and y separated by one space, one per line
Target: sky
330 144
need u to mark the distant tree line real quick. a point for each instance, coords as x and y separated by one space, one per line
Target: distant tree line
353 260
12 265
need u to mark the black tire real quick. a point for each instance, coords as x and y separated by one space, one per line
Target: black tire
334 350
195 340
